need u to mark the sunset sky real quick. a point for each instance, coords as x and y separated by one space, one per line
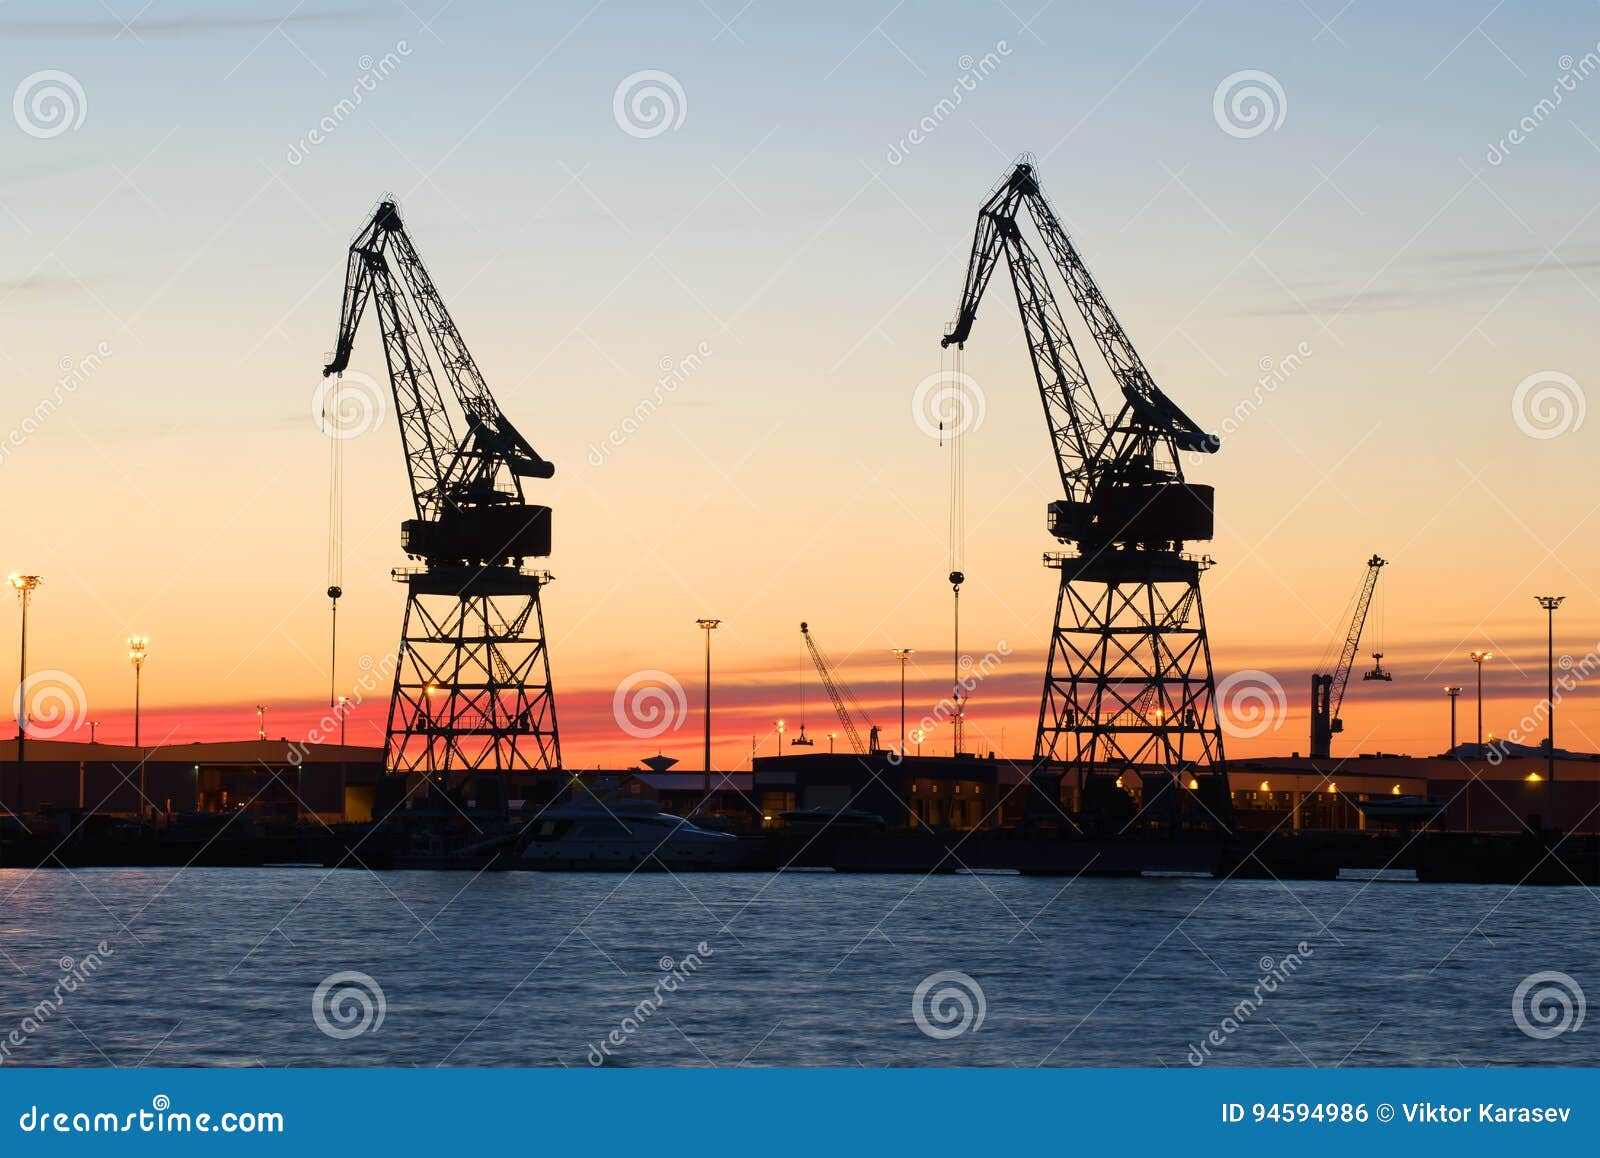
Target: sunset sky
1411 224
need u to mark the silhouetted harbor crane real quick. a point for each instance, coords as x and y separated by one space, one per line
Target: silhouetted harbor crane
1128 682
472 688
1327 691
838 693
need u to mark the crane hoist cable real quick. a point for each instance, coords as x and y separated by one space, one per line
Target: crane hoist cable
330 428
956 407
802 740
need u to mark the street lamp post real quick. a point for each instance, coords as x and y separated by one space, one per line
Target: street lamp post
25 586
779 728
708 626
344 717
261 721
138 652
1453 691
831 737
1550 603
903 654
1479 656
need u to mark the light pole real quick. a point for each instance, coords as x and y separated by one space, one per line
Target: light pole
1478 656
903 654
1550 603
917 738
261 721
138 652
778 727
831 737
344 717
708 626
25 586
94 726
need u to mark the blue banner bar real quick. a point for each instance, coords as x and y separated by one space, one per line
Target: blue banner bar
799 1112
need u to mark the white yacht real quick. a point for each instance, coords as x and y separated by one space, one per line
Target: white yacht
613 833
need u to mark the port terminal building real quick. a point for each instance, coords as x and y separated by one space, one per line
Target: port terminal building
265 779
332 783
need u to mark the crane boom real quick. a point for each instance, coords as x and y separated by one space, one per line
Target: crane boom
1327 691
448 473
838 693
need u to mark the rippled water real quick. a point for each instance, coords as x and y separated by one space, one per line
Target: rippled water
220 967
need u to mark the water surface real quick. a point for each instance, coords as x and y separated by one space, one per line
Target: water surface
220 967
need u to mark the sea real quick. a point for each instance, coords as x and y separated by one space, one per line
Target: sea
346 967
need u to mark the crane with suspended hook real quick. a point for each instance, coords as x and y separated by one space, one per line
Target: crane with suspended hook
1327 690
472 687
1128 681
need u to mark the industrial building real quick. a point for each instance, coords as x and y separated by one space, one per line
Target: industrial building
1286 794
276 779
269 779
914 791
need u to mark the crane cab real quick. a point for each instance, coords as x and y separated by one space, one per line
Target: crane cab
480 534
1171 512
